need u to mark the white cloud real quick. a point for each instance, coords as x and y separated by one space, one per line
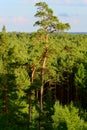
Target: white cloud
26 2
75 21
69 1
19 19
2 20
85 1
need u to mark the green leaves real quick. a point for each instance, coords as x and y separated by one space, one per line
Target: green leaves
47 20
81 76
67 118
51 62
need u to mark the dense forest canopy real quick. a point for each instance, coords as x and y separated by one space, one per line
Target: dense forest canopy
43 76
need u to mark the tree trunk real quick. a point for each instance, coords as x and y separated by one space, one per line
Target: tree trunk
29 109
43 72
42 80
46 38
30 96
41 90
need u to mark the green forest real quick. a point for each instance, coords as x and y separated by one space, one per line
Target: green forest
43 76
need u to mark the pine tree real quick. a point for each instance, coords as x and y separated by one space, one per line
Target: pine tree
49 24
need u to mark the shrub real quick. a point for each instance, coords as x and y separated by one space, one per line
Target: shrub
67 118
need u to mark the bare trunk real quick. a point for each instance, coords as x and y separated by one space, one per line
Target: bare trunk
30 92
42 79
30 96
41 98
43 72
42 86
46 38
33 73
41 90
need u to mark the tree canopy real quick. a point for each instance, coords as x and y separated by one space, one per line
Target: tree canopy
43 76
47 20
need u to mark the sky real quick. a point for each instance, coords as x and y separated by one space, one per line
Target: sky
18 15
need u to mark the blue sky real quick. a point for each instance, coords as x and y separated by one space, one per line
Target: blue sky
18 15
